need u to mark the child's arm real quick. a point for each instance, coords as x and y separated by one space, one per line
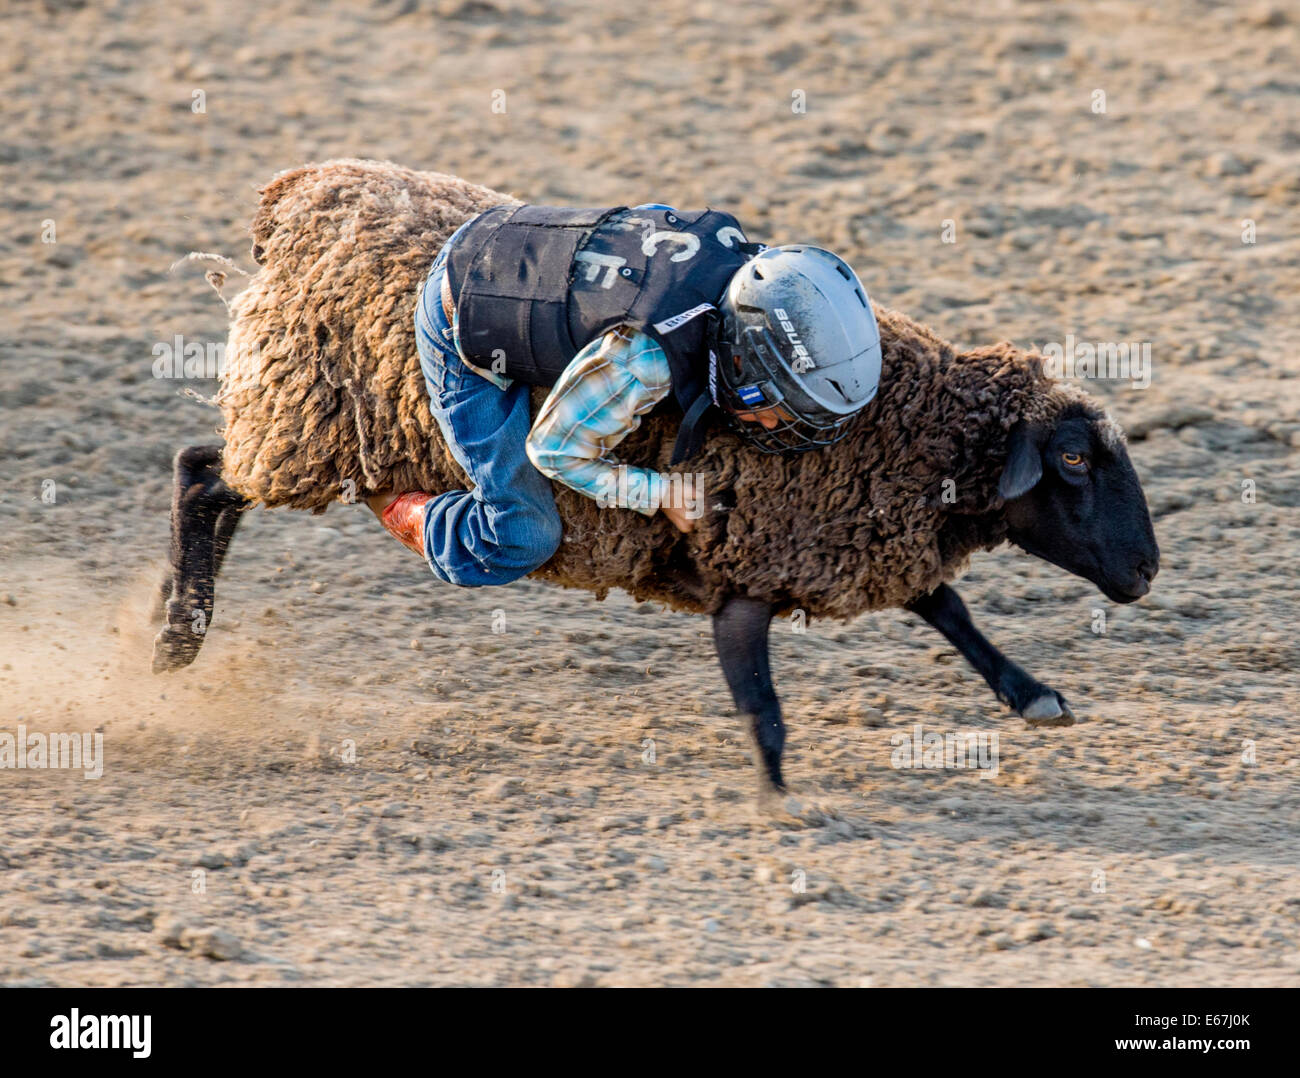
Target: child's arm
597 402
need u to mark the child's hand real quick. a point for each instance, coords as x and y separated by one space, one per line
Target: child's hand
679 518
678 513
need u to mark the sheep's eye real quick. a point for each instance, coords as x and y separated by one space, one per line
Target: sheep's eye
1072 460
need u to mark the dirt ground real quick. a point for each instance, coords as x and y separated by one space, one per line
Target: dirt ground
361 782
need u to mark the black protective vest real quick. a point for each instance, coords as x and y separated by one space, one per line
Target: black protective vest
535 284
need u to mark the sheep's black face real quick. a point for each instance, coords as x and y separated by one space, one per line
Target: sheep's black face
1073 498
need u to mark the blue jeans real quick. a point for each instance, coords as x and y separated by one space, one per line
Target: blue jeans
507 525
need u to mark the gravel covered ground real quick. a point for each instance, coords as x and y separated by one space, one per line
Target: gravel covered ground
361 782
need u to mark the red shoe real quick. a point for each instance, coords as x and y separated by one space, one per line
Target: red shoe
404 518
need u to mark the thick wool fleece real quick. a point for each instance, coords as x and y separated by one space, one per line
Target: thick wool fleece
324 401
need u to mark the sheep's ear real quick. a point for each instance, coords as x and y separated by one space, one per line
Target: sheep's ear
1024 467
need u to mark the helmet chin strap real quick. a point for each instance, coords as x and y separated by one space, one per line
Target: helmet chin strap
690 435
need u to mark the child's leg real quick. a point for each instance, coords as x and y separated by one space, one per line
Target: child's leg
507 525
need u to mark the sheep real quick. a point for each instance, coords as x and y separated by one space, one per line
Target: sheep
323 401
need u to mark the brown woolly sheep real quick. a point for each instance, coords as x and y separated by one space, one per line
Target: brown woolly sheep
324 401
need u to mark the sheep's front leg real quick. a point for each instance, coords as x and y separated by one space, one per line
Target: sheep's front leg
1032 700
740 634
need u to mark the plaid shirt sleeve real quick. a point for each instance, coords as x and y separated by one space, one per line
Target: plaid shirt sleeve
598 401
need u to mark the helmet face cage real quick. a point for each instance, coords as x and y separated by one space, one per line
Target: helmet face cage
791 434
749 383
797 346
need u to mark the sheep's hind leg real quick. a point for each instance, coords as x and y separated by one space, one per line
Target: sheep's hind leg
205 514
1032 700
740 634
227 522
